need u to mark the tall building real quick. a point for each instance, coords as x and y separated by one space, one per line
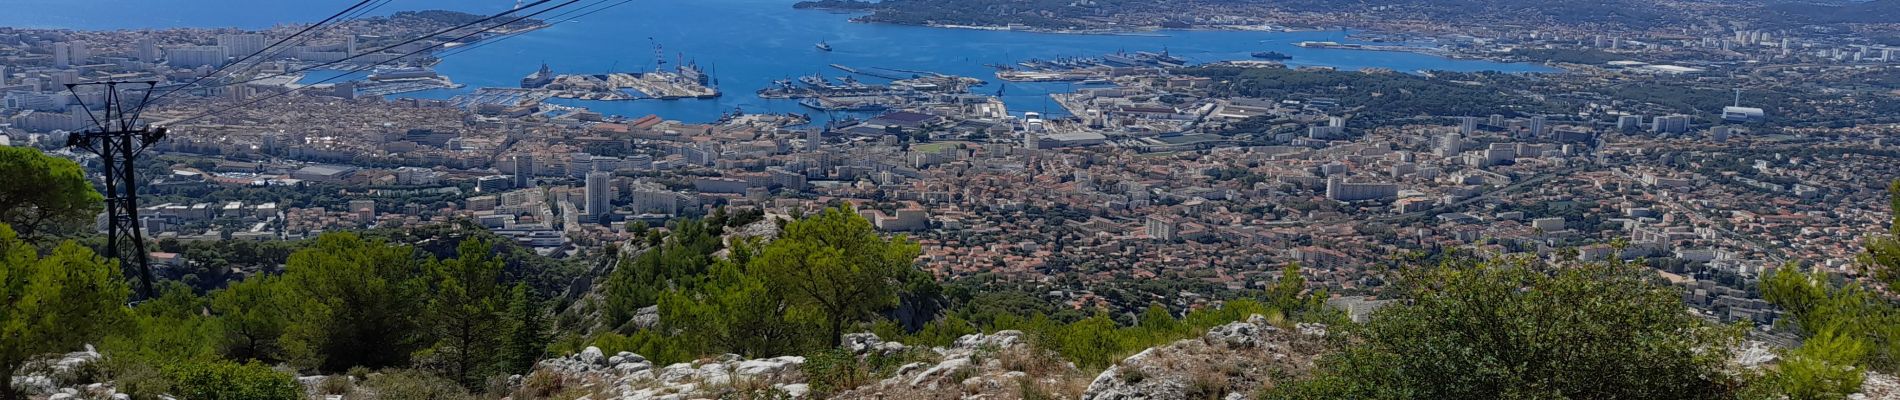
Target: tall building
597 196
196 56
62 55
1339 189
1467 126
1538 124
491 184
524 171
1162 227
242 44
81 52
1450 145
148 50
1670 124
651 197
1629 123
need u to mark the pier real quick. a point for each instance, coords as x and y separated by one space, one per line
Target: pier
874 74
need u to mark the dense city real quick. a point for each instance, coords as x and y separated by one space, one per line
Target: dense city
1710 152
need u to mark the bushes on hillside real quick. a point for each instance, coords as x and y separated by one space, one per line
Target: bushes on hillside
225 380
1522 329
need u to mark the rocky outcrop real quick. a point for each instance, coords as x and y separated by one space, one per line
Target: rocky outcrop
631 376
996 366
1878 386
1229 361
65 377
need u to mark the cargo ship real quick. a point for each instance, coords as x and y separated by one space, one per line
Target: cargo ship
1271 55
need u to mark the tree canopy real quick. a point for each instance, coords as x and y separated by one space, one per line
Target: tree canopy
352 302
44 194
837 265
55 303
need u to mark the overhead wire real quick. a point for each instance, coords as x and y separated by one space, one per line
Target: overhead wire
406 42
557 19
280 51
373 65
306 29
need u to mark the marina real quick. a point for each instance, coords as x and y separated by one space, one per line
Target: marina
879 53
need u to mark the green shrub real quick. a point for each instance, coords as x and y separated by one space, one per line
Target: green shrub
834 370
1517 328
657 348
224 380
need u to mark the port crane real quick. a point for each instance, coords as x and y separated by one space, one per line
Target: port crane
659 55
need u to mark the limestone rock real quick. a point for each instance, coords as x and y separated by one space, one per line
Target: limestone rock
1230 359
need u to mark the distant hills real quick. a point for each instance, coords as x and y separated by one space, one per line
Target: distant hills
1608 12
1626 13
1877 11
1070 14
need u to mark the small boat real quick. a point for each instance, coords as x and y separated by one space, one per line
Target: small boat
824 46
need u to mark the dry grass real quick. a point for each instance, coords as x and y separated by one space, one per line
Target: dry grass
743 388
336 385
1036 363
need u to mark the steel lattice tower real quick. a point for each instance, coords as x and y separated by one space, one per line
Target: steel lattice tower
118 138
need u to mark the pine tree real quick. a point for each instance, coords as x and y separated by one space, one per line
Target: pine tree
353 302
44 194
252 318
465 311
527 332
836 265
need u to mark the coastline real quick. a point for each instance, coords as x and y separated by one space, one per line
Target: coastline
1155 31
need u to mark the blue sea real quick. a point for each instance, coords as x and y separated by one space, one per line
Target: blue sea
747 44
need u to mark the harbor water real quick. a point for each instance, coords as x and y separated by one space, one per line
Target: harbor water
748 44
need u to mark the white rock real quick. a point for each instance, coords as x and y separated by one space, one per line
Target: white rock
33 384
676 373
796 390
714 374
1007 338
646 317
906 369
1311 329
754 368
591 356
941 369
861 342
1238 335
631 367
969 341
